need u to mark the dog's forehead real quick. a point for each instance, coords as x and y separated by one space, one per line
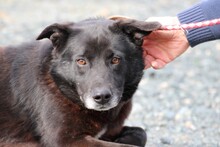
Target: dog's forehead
96 33
95 22
95 27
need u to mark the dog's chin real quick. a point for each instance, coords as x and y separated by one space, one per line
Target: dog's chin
89 104
102 108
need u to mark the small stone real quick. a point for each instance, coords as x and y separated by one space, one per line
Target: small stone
165 140
183 114
190 125
169 115
187 101
164 85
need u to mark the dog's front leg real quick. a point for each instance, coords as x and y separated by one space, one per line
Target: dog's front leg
25 144
62 127
89 141
132 135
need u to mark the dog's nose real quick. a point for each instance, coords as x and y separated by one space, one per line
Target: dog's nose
102 96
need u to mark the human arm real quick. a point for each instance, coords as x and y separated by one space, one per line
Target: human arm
160 48
205 10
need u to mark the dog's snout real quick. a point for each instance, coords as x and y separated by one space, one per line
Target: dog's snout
102 95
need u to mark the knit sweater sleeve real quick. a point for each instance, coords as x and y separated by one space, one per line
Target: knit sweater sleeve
205 10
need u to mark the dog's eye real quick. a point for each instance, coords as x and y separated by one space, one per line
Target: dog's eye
81 61
115 60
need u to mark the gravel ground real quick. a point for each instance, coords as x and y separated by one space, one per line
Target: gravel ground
178 105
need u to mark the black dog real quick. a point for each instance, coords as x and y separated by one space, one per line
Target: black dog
75 89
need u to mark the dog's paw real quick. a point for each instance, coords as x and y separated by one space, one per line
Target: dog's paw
132 135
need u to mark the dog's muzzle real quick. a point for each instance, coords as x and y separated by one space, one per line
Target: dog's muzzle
101 99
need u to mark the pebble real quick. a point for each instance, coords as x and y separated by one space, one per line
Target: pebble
166 140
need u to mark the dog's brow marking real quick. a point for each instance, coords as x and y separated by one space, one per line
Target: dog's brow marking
102 132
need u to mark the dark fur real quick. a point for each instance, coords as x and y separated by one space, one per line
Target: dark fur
43 91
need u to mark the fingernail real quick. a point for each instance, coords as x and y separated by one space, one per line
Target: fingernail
154 64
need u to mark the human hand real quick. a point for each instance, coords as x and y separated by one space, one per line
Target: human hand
163 46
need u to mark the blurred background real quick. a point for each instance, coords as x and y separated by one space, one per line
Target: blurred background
178 105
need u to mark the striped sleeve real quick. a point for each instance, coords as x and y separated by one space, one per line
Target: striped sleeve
205 10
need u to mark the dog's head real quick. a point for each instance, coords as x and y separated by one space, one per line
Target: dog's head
98 62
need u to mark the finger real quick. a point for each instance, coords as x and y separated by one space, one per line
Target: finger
158 64
147 64
147 61
118 17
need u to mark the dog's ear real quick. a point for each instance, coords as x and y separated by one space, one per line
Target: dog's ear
135 29
57 33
